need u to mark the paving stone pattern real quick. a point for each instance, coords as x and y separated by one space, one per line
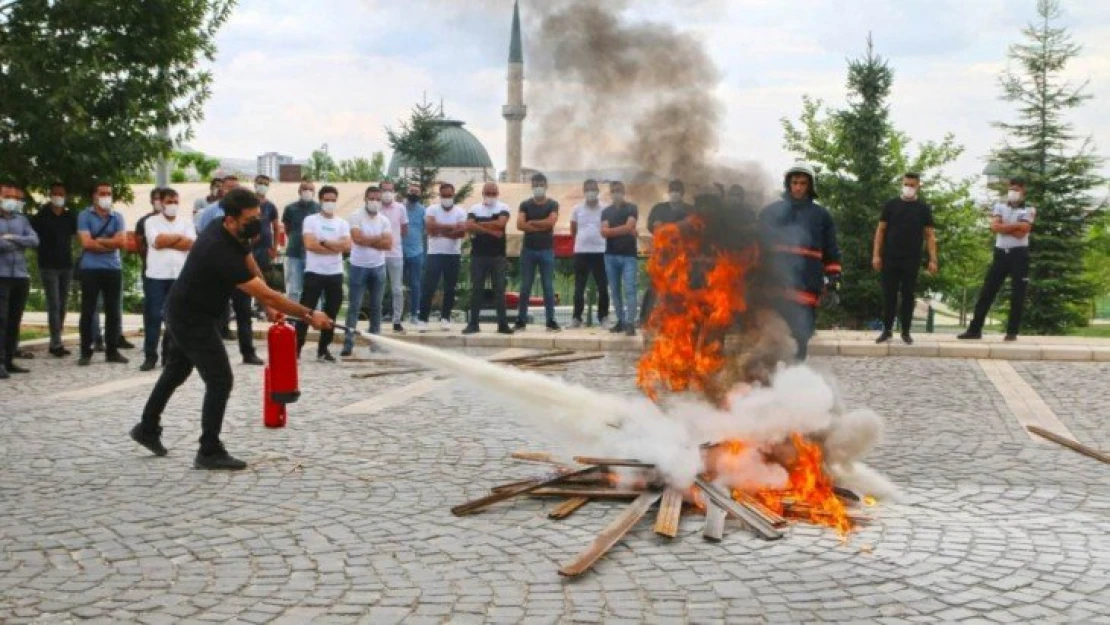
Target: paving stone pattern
344 519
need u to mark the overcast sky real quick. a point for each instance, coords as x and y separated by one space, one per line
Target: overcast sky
291 75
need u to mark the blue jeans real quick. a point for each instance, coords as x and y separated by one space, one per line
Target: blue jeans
414 280
445 266
529 260
154 304
359 280
294 278
622 274
55 282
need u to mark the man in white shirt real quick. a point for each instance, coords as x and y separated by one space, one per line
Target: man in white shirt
371 237
446 226
169 238
589 253
398 218
1012 222
326 239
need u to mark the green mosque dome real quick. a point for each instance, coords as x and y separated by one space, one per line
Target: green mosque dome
463 150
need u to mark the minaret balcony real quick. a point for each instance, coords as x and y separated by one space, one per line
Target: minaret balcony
514 112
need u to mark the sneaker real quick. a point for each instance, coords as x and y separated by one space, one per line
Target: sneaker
345 352
969 336
884 337
603 322
14 368
148 364
907 339
471 329
152 440
99 346
577 323
630 331
325 357
617 328
125 344
398 328
444 324
1010 337
421 326
252 359
117 358
553 326
85 360
504 330
220 461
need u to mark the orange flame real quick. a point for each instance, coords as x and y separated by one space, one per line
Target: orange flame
809 491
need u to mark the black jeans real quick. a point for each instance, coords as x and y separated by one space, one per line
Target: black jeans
96 283
193 343
586 265
240 303
13 299
332 288
493 268
55 284
899 276
437 266
1014 263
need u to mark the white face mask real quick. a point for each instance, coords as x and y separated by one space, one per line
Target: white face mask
676 197
157 205
11 205
104 202
261 189
489 201
373 206
446 202
58 200
328 207
617 197
539 192
591 196
169 210
306 196
1014 196
908 192
387 197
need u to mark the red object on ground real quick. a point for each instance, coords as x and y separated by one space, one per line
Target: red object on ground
513 299
281 384
564 246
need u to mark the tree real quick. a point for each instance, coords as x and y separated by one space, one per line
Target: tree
321 166
418 145
361 169
860 158
84 91
203 164
1060 170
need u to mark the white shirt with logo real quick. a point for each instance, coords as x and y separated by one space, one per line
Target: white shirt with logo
397 216
445 217
325 229
1012 215
368 226
588 239
166 263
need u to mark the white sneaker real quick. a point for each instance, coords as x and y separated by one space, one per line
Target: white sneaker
421 326
444 325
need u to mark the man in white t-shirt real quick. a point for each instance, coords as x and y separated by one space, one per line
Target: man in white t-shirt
446 226
169 237
589 253
326 238
398 218
371 237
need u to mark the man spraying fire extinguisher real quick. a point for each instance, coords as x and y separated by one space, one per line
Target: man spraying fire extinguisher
800 242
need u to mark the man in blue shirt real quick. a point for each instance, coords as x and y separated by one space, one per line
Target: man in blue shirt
412 245
293 219
103 234
16 236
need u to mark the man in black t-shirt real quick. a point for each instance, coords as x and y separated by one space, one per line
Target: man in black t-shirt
618 227
536 219
672 211
486 224
906 223
219 262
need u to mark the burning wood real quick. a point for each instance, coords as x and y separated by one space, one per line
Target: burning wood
753 519
611 535
670 512
592 493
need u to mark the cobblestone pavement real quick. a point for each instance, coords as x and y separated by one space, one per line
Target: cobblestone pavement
345 518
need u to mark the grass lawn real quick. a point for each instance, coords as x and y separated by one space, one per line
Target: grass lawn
27 334
1095 331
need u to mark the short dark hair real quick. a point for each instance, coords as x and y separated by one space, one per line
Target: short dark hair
589 182
616 183
1017 182
230 177
327 189
676 185
370 189
168 192
216 181
538 178
912 175
156 193
446 185
263 177
238 200
97 185
57 185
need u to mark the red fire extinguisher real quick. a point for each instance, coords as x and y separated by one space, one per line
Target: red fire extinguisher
280 383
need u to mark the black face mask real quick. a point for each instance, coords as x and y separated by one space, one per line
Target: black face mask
414 198
250 229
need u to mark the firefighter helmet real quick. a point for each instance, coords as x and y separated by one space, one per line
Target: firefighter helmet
802 168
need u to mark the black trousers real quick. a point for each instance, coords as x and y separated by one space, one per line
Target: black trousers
899 277
105 283
802 321
332 289
13 300
1014 263
586 265
437 267
493 268
240 304
194 343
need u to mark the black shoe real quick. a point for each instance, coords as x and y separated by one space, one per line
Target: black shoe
617 329
630 331
884 337
117 358
226 335
520 326
907 339
14 368
553 326
505 329
149 364
325 357
99 346
252 359
345 352
969 336
59 352
152 440
85 360
221 461
398 328
1010 337
125 344
26 355
470 330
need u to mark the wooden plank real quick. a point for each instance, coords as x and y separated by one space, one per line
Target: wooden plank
568 507
611 535
715 517
670 511
593 493
492 498
563 361
739 510
613 462
757 506
382 374
530 357
1090 452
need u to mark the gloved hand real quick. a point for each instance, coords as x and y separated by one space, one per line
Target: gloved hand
832 282
829 299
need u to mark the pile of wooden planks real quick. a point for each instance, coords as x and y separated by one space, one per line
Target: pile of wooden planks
549 362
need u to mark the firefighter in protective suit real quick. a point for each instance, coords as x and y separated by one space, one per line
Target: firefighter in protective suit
800 246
